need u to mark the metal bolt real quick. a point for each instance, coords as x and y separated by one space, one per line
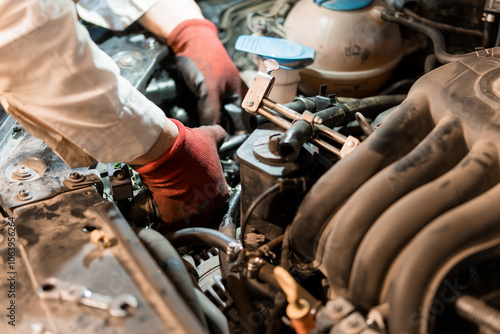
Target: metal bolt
17 128
250 103
350 143
120 175
253 266
75 175
127 61
232 250
100 239
150 43
24 195
22 173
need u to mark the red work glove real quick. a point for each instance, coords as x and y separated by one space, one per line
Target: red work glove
187 182
205 66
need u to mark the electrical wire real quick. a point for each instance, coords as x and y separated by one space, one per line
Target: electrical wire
259 199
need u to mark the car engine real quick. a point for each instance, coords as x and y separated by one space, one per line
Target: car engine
363 168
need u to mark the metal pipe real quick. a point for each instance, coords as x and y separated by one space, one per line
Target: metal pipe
275 118
326 146
338 137
285 111
291 114
476 311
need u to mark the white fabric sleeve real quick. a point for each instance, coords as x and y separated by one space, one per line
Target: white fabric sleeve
113 14
55 79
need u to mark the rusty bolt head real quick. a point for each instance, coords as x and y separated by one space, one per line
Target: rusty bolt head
119 174
75 176
100 239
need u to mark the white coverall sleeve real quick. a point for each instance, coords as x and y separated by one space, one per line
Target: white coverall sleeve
64 89
113 14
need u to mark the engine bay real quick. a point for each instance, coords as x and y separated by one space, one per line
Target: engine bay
363 168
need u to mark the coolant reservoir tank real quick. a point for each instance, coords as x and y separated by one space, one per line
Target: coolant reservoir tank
356 51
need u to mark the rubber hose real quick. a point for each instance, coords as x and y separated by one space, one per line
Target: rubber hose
443 26
254 121
437 38
293 140
370 107
228 227
233 143
201 235
333 116
172 265
296 105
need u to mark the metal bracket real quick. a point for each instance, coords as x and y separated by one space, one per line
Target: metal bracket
350 144
82 179
119 306
257 103
261 87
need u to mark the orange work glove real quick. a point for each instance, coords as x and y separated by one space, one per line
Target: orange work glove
187 182
205 66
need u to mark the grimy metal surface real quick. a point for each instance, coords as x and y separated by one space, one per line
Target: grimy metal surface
50 212
53 241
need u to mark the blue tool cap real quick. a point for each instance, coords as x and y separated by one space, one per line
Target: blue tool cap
290 55
344 5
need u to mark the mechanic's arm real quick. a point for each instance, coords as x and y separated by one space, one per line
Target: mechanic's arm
162 18
61 87
202 59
